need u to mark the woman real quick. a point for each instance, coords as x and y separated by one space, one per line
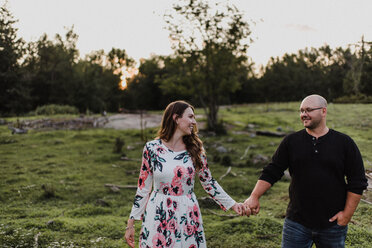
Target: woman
170 214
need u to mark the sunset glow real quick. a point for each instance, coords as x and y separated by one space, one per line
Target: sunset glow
127 73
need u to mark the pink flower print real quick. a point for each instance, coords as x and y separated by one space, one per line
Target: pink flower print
189 229
158 240
192 246
169 202
190 171
159 150
176 188
164 188
196 213
172 225
179 172
144 173
141 181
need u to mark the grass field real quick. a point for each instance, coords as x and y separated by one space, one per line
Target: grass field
53 194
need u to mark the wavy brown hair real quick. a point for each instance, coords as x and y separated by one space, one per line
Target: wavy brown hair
168 126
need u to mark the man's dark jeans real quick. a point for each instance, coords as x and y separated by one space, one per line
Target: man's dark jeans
296 235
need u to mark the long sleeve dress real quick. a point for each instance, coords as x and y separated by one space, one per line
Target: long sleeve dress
170 213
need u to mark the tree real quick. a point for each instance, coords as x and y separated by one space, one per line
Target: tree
143 91
12 92
49 67
210 46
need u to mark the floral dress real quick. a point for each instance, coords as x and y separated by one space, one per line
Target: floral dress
170 213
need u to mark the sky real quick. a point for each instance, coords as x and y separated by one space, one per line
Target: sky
282 26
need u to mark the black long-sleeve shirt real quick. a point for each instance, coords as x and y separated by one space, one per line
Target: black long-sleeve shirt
318 168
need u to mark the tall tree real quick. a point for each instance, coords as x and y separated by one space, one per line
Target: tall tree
210 43
12 92
49 66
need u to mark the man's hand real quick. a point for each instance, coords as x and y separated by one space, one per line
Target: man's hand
344 217
341 218
253 204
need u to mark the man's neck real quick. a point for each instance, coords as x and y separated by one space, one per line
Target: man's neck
318 132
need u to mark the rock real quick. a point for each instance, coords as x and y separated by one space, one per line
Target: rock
129 147
251 126
260 159
221 149
18 130
279 129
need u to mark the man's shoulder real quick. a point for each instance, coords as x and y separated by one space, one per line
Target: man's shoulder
340 135
295 134
293 137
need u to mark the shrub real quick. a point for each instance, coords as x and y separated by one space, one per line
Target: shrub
53 109
359 98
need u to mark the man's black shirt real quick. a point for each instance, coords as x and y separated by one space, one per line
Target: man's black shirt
318 168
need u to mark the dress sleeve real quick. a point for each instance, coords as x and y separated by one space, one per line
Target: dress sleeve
144 186
212 187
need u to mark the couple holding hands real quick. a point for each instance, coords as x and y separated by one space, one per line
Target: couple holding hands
318 159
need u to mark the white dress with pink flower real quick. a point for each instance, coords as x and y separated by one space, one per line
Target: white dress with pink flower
170 213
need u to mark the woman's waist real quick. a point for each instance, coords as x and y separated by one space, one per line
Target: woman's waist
172 193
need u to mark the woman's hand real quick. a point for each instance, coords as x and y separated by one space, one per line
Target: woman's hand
241 209
129 236
129 233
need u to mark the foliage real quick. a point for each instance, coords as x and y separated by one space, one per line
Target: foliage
143 91
54 109
74 166
13 98
358 98
210 44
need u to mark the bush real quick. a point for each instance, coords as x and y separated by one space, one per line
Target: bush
359 98
53 109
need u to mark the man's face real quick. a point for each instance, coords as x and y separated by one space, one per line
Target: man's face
311 114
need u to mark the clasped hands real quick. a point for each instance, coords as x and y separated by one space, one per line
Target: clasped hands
250 206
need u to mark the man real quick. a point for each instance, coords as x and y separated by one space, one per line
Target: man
318 159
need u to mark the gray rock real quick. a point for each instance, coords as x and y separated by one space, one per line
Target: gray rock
221 149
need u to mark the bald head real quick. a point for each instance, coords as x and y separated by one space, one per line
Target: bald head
317 100
313 113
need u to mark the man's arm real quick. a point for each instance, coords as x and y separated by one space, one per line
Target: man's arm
344 217
253 201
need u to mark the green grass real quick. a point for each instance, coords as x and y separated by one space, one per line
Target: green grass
50 181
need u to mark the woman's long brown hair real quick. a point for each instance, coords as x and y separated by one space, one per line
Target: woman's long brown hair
168 126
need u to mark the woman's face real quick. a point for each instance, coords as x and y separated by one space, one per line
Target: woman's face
187 122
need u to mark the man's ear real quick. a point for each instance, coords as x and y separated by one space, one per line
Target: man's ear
175 117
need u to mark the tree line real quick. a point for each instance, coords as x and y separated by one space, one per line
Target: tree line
209 68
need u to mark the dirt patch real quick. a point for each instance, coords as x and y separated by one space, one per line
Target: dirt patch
118 121
132 121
